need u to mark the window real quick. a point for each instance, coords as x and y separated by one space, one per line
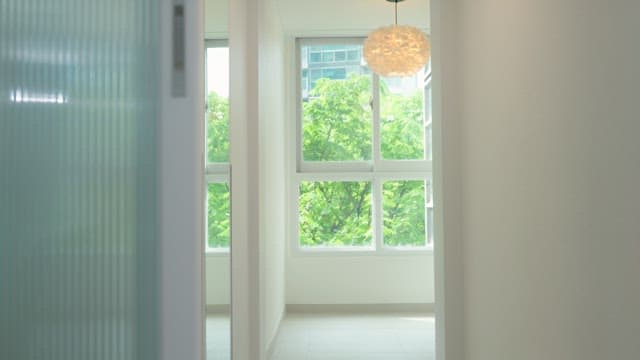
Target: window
363 163
217 146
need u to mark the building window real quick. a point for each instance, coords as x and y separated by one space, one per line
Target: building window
217 146
363 163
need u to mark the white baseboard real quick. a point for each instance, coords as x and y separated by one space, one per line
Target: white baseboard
359 308
218 309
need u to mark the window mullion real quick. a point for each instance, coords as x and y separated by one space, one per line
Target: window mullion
376 186
377 216
375 104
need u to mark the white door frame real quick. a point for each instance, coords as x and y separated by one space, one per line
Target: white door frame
181 184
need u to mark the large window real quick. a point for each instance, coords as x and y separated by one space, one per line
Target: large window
217 146
363 163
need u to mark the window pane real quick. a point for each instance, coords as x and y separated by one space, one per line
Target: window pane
315 57
218 216
401 118
335 214
217 116
336 111
404 213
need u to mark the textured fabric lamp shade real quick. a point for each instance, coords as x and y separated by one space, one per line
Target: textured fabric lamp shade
396 50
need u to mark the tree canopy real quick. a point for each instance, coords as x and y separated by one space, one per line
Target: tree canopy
336 126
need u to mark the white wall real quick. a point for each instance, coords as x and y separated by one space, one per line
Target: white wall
272 171
360 279
549 173
216 24
218 279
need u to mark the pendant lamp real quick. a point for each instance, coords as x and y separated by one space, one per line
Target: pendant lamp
396 50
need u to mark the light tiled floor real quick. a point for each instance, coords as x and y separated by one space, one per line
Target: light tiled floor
356 337
218 337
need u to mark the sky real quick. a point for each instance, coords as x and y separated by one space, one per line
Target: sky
218 70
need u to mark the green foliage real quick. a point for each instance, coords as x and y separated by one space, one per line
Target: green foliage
401 128
336 125
217 122
335 214
404 213
219 215
336 121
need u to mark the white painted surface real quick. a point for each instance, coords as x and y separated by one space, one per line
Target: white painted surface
181 193
330 280
218 277
245 182
341 15
360 279
549 174
272 171
447 149
216 24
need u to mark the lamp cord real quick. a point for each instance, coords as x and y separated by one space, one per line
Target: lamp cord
396 13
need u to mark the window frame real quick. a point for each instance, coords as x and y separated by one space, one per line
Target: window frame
214 172
377 170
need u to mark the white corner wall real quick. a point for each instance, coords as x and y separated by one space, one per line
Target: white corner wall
549 174
272 171
218 277
360 279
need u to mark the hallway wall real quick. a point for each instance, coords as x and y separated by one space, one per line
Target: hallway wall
272 170
548 137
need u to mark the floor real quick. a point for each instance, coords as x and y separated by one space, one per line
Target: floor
355 337
218 337
338 337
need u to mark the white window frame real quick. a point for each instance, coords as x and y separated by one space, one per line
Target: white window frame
376 171
214 173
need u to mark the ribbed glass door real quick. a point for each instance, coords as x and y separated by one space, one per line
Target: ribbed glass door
78 99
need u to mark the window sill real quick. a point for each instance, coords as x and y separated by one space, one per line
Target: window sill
357 252
217 252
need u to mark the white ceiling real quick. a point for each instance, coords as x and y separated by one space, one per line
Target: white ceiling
328 16
351 15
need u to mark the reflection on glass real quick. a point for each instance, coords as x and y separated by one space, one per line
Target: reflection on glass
218 274
336 110
404 213
335 214
402 118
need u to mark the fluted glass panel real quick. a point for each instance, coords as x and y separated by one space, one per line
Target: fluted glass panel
77 179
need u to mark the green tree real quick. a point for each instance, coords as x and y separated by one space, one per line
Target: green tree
217 119
218 205
336 121
337 127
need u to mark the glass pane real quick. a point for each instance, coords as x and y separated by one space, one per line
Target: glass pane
217 116
335 214
336 110
404 213
218 216
402 130
78 140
